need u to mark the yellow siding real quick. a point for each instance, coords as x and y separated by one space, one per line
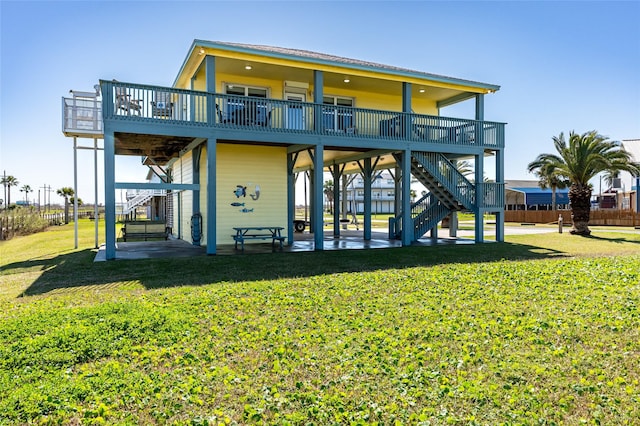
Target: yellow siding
182 173
337 69
250 166
363 99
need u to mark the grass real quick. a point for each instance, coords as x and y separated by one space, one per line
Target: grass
543 329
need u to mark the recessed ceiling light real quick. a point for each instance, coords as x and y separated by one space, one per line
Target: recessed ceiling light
421 90
247 67
346 80
201 51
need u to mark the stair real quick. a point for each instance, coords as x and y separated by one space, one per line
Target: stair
448 189
140 199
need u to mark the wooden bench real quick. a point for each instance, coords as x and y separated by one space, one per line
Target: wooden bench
144 229
272 233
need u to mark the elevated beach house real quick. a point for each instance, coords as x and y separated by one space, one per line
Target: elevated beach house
241 121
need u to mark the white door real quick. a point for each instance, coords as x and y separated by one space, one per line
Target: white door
294 115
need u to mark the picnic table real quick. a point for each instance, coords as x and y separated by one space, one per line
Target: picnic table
244 233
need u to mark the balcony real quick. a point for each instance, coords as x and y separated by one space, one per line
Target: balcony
169 106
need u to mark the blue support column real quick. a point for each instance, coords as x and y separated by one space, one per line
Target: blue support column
318 95
318 220
210 71
479 177
367 174
211 195
500 179
479 212
407 228
195 202
480 107
406 108
109 194
291 192
336 172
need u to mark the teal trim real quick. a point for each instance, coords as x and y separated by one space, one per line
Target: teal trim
109 194
479 210
158 185
212 190
480 107
318 99
359 127
336 172
291 191
362 67
195 165
455 99
318 178
367 174
210 64
407 231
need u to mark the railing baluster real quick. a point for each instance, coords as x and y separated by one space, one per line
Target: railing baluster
128 101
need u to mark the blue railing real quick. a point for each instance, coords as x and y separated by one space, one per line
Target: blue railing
449 176
136 102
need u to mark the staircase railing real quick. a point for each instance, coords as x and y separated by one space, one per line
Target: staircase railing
141 198
446 174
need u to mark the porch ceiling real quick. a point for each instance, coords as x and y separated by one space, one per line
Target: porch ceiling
431 91
159 148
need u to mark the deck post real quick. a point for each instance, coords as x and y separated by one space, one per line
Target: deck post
210 72
406 108
195 202
211 194
336 172
291 196
479 175
318 94
479 210
109 193
407 229
317 216
500 212
367 175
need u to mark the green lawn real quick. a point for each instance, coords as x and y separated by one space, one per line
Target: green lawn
542 329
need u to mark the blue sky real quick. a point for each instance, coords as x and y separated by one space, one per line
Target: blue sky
562 66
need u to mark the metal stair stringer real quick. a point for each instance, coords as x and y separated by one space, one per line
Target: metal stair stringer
442 178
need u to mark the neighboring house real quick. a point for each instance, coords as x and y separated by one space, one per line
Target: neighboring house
153 202
527 195
382 194
240 121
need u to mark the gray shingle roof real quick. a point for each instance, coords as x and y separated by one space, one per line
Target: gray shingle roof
338 60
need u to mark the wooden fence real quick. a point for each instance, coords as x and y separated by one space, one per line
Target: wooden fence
612 217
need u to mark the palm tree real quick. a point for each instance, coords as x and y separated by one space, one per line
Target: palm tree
26 189
328 192
580 161
67 193
548 177
8 182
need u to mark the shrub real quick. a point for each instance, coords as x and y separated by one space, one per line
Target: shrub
21 221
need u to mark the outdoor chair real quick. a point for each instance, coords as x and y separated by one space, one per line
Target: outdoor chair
162 106
125 103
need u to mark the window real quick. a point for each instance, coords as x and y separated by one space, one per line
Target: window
338 117
239 110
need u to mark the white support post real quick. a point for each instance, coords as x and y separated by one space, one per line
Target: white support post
75 192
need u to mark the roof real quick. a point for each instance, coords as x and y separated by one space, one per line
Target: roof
632 146
327 59
535 196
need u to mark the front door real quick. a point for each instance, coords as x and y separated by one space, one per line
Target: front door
295 116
